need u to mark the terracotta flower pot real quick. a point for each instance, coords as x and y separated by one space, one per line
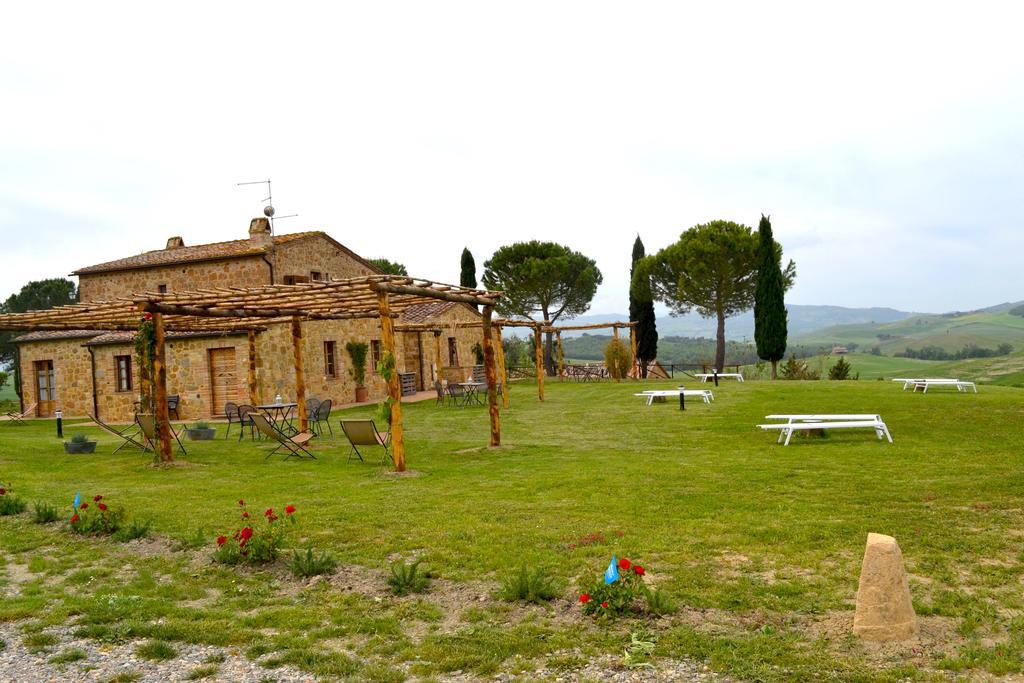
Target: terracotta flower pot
362 394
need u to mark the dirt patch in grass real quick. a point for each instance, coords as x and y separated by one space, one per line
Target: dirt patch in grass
935 636
17 575
408 474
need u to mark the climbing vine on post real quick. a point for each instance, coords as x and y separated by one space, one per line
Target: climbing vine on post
386 369
145 352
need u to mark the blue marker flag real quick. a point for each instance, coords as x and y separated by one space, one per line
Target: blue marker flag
611 575
78 499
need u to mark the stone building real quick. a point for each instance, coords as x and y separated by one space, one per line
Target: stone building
89 371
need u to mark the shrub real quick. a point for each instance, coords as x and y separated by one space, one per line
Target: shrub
406 578
798 369
839 371
10 504
357 352
44 513
527 585
136 528
252 542
96 519
79 437
201 424
309 563
478 353
607 600
617 359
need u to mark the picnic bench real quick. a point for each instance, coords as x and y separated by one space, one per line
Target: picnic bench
705 376
924 383
652 394
795 423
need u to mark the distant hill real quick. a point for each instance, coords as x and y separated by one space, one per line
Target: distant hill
741 327
988 327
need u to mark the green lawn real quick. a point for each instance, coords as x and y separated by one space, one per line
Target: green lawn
760 545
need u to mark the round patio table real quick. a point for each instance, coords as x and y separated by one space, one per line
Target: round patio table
472 391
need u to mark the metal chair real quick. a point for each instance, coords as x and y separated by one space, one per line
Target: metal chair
364 433
245 412
322 416
440 393
231 412
456 395
311 406
172 405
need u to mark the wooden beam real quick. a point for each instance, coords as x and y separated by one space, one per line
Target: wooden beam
437 356
300 380
160 411
538 355
387 338
502 370
561 354
213 312
491 373
254 398
434 294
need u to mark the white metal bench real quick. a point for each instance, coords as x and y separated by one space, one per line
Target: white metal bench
703 394
826 421
961 385
705 376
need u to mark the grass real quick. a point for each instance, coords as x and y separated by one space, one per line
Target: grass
756 545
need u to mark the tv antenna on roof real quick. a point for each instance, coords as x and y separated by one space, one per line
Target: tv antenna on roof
268 210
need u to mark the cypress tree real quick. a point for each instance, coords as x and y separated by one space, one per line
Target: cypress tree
769 305
642 312
468 276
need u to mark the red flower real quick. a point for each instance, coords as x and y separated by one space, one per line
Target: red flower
148 316
269 512
585 598
245 515
97 498
625 564
101 506
83 506
221 540
605 604
639 570
289 510
246 534
3 491
74 519
241 502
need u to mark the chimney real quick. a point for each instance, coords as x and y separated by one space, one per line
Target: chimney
259 229
175 243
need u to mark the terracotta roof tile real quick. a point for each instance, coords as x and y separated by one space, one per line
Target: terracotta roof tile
51 335
199 252
422 313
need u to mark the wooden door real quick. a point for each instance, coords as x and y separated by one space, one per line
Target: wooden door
223 379
45 390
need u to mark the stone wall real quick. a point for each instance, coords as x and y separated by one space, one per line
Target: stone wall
315 253
71 374
246 271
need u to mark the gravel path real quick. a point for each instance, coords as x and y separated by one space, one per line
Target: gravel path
103 662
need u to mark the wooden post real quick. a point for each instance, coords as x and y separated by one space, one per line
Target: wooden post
491 373
253 389
387 338
300 380
437 355
538 352
615 331
561 355
632 346
160 411
502 370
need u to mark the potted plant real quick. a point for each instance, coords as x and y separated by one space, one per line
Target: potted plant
79 444
357 351
201 431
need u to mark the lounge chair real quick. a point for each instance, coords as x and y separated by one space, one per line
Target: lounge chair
322 416
295 445
364 433
127 435
14 417
147 423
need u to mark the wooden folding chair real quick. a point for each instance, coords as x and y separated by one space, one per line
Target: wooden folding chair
147 423
127 435
295 445
364 433
14 417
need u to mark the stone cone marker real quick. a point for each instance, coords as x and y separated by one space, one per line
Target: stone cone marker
884 610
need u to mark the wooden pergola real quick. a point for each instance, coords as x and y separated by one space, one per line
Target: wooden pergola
253 308
593 326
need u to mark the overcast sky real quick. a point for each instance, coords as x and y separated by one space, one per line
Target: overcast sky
886 140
